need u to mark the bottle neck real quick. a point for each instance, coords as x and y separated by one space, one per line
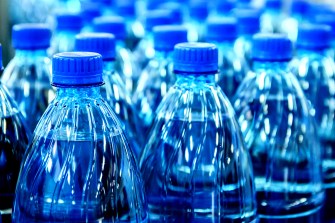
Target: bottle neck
31 53
186 78
79 92
274 65
109 67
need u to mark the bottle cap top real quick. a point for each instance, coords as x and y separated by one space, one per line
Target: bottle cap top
199 10
176 10
166 37
157 17
313 36
77 69
31 36
273 4
111 24
221 29
89 11
195 58
69 21
248 21
271 47
102 43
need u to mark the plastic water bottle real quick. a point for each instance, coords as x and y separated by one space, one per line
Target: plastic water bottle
198 13
280 134
125 63
79 167
248 24
14 138
290 24
157 78
194 166
315 71
272 16
68 25
114 90
232 68
144 51
27 76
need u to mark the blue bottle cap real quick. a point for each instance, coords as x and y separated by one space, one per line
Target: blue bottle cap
221 29
157 17
271 47
273 4
69 21
71 69
31 36
248 21
90 11
166 37
111 24
102 43
299 7
313 36
195 58
199 10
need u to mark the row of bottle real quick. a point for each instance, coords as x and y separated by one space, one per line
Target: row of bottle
80 164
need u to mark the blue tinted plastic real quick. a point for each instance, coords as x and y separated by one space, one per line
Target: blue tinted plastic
280 134
316 74
14 138
194 165
272 17
79 167
27 78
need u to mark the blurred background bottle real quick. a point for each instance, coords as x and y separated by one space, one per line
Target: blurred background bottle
27 76
194 166
14 138
281 135
315 70
114 90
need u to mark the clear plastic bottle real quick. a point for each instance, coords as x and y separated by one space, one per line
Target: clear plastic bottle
280 134
194 166
272 17
248 24
144 51
315 71
79 167
14 138
68 25
232 68
27 75
125 63
114 90
157 78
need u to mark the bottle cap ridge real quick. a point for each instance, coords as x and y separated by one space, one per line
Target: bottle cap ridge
77 69
31 36
166 37
271 47
195 58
